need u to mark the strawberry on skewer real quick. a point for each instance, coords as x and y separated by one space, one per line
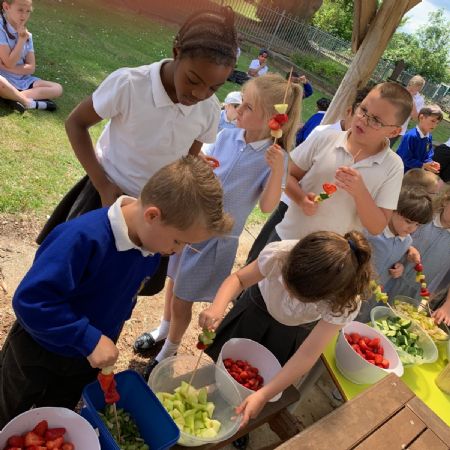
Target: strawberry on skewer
108 385
328 190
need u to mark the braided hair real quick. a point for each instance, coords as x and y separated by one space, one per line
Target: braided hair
209 34
3 18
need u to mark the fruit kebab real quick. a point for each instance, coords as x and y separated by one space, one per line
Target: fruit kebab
328 190
108 385
424 292
378 292
205 338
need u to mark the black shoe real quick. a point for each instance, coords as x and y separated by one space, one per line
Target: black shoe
51 105
144 343
150 366
242 442
17 106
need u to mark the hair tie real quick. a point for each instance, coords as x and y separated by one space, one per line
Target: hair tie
352 246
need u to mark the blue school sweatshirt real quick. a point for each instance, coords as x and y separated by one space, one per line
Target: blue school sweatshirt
415 150
80 286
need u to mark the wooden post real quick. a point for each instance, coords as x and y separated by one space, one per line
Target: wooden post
364 11
364 62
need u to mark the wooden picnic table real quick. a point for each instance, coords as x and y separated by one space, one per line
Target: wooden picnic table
280 420
386 416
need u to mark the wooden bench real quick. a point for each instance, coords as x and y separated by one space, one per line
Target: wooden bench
280 420
387 416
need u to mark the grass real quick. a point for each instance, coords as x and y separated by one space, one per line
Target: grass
38 165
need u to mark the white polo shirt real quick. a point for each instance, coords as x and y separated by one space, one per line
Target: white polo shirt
146 130
320 156
255 64
280 304
419 103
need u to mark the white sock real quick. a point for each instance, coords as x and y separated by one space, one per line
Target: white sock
37 105
168 349
162 331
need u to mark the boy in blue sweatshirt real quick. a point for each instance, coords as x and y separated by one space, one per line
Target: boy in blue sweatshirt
416 147
83 284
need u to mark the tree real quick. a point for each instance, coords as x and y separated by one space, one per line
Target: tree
303 9
335 17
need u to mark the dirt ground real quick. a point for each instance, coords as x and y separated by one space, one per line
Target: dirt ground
17 249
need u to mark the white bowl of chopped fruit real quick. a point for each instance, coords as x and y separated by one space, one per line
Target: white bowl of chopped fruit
202 407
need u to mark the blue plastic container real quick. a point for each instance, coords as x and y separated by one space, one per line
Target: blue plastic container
155 425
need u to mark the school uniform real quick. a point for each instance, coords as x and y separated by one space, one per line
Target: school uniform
416 149
20 82
83 284
243 172
224 122
320 156
268 314
309 126
433 243
255 65
387 249
278 214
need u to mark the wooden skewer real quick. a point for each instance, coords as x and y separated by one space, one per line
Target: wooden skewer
107 371
193 249
196 367
285 95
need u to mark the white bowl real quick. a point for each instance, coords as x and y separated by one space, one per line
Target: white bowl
256 354
78 430
354 367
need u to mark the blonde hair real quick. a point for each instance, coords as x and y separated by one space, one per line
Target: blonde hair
397 96
417 81
188 192
421 177
442 199
327 266
271 89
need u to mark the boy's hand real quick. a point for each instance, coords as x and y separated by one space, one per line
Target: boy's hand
275 158
109 194
442 314
105 353
350 180
251 407
210 318
432 166
397 270
308 204
413 255
210 160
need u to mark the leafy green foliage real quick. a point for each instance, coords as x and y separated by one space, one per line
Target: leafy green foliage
335 17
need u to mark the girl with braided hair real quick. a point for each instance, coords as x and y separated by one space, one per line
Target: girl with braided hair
156 114
17 61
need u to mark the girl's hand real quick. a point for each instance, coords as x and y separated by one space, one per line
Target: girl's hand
308 204
109 194
275 158
24 34
432 166
413 255
349 179
442 314
210 318
105 353
251 407
397 270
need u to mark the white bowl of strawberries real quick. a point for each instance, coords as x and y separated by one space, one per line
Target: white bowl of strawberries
248 364
364 355
49 428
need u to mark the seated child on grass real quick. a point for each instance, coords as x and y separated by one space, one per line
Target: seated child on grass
82 287
416 147
394 243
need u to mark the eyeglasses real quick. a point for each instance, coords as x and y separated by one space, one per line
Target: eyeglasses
372 121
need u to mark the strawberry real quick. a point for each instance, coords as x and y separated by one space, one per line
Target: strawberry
329 188
418 267
281 118
67 446
32 438
273 124
56 443
53 433
201 345
16 441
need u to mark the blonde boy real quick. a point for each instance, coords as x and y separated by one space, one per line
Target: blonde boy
361 164
82 286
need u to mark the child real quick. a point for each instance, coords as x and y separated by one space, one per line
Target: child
73 302
367 173
423 178
157 113
432 241
414 87
297 296
17 61
301 79
322 106
229 114
388 248
259 67
442 156
277 216
416 147
251 168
